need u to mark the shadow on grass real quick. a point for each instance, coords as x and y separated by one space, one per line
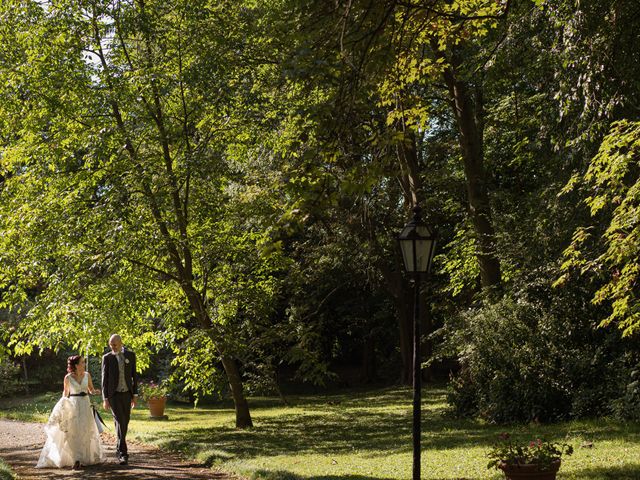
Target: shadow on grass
629 471
284 475
373 423
376 422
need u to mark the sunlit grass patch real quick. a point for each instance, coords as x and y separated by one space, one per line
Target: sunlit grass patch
30 409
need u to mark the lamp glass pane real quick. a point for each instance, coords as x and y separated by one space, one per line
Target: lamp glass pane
422 253
432 253
407 254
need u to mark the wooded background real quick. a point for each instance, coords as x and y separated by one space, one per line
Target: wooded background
222 182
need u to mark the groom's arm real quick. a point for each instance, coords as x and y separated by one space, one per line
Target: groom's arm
134 380
134 375
105 379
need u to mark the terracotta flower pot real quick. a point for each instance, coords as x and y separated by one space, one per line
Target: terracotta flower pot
530 472
156 406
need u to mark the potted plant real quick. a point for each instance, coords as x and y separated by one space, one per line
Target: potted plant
155 395
535 460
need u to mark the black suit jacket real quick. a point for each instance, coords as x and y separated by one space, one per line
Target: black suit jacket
110 374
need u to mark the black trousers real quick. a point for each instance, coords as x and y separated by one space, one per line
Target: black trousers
121 409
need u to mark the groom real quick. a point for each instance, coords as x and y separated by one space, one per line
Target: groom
119 390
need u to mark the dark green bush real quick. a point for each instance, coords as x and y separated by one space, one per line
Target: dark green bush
628 405
9 378
538 356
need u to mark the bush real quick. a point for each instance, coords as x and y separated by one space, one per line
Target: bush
628 405
9 378
537 356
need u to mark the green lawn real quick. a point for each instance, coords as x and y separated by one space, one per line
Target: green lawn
363 435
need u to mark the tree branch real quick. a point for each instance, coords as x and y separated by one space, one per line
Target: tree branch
153 269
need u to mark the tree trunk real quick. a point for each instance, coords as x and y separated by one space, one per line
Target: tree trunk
409 169
276 384
400 293
25 374
426 325
243 416
405 324
369 359
469 117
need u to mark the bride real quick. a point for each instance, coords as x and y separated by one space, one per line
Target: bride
72 433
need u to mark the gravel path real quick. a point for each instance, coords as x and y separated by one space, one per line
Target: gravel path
20 445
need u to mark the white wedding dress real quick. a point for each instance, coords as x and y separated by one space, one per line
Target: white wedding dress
72 434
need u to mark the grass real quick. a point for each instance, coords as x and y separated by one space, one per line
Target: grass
361 435
5 472
29 409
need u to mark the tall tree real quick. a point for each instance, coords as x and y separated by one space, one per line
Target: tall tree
121 172
382 66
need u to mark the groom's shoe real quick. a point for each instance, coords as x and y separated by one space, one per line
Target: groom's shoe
123 459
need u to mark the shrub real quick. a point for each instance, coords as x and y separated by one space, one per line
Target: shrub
628 405
537 356
9 378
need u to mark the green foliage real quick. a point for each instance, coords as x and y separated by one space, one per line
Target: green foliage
5 471
228 177
153 390
123 203
628 405
536 357
460 262
612 183
9 378
421 38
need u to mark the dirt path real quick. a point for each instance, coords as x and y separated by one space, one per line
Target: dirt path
20 445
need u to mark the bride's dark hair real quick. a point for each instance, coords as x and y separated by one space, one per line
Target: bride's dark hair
72 363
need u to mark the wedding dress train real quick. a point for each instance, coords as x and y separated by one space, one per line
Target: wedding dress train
72 434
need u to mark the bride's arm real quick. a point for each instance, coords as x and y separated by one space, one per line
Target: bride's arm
92 391
65 390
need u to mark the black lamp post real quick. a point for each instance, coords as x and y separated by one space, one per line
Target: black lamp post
417 242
